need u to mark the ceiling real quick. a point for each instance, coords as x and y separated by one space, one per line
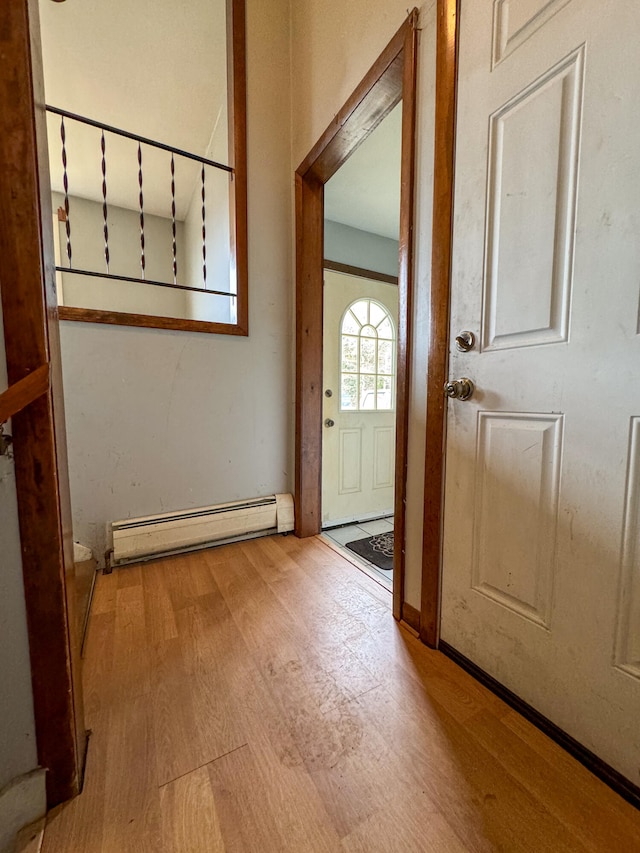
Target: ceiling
152 67
365 192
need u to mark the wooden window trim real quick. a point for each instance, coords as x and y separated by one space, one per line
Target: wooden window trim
391 78
360 272
237 103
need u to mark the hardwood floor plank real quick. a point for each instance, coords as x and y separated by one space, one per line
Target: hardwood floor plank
269 559
326 565
388 831
128 576
99 683
131 798
79 824
256 814
260 696
190 821
592 822
104 594
606 804
160 617
130 649
209 642
299 673
483 805
175 726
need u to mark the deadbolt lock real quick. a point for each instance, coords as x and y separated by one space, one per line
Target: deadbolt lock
465 341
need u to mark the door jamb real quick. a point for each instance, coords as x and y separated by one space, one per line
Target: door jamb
32 341
439 316
391 78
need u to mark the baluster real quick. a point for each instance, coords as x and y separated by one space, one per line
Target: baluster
141 199
65 182
103 148
204 233
173 218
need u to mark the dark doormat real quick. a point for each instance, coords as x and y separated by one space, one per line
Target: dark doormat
376 549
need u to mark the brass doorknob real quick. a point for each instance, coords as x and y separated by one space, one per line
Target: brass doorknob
329 423
459 389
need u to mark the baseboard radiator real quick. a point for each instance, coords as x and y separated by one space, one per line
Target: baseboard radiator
137 539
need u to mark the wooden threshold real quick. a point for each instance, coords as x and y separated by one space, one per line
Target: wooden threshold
391 79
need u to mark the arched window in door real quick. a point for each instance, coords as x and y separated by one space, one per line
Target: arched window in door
367 358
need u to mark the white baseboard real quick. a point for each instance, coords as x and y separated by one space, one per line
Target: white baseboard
22 802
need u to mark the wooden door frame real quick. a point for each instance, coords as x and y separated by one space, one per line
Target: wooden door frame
447 28
29 305
392 78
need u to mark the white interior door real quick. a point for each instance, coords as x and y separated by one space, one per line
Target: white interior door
359 367
541 578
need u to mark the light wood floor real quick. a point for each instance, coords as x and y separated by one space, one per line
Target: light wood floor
260 697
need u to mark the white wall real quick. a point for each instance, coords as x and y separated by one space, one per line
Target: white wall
87 243
160 420
22 792
334 44
215 309
358 248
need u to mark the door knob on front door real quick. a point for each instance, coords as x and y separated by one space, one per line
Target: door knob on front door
329 423
459 389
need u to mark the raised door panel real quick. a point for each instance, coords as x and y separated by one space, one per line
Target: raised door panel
628 640
383 457
531 206
518 479
350 465
514 21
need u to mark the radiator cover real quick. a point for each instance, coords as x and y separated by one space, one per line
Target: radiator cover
154 535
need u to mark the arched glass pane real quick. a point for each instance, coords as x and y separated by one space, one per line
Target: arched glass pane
367 358
361 311
385 330
376 314
350 325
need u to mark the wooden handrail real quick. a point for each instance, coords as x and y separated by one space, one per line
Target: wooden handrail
19 395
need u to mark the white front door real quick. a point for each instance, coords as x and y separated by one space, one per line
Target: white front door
358 433
541 576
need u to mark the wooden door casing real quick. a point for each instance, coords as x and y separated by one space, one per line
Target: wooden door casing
31 338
